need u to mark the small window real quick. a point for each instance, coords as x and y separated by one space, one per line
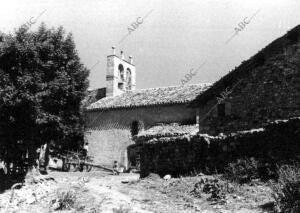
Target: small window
221 110
121 86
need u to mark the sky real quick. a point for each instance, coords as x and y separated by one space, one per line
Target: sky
175 36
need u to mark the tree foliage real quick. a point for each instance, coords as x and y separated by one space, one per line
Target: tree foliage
42 84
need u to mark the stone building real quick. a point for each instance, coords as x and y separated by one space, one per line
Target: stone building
119 111
264 88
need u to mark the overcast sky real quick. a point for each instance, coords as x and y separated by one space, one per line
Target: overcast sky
175 37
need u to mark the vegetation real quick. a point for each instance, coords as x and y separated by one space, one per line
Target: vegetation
42 84
243 170
286 190
66 199
122 209
285 180
215 187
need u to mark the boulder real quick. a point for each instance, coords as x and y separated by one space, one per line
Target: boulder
167 177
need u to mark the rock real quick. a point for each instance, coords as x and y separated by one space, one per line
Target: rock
30 200
134 171
167 177
153 176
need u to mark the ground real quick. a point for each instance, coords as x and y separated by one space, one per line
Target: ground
99 191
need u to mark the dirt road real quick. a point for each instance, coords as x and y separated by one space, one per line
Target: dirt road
99 191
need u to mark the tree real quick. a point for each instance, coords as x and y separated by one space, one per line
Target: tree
42 84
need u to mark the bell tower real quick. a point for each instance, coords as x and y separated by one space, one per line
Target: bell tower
120 74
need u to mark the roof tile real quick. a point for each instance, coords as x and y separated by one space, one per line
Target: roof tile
151 96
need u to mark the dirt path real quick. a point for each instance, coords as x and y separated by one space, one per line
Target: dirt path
118 193
111 199
100 191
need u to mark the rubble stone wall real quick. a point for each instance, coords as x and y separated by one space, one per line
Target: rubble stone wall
184 155
267 92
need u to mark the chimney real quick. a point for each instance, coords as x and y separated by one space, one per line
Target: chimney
130 59
113 50
122 55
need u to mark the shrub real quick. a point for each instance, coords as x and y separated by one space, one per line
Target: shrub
286 191
65 199
215 187
267 170
243 170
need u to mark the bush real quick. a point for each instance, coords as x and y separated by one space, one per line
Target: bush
215 187
243 170
286 191
66 199
267 170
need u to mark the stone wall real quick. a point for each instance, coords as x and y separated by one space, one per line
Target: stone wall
265 93
109 132
184 154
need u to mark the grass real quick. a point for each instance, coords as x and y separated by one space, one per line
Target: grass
65 198
286 191
75 197
284 180
203 192
122 209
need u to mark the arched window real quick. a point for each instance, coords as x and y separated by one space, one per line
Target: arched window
121 72
135 128
128 78
128 75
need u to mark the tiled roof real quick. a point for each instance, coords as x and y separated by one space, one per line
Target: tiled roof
152 96
167 130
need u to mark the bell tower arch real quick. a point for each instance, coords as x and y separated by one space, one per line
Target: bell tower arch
120 74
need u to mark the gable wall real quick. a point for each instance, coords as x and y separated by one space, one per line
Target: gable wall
268 93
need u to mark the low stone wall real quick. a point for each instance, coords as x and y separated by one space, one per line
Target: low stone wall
186 154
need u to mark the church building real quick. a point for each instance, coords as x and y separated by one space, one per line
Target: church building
119 111
260 90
